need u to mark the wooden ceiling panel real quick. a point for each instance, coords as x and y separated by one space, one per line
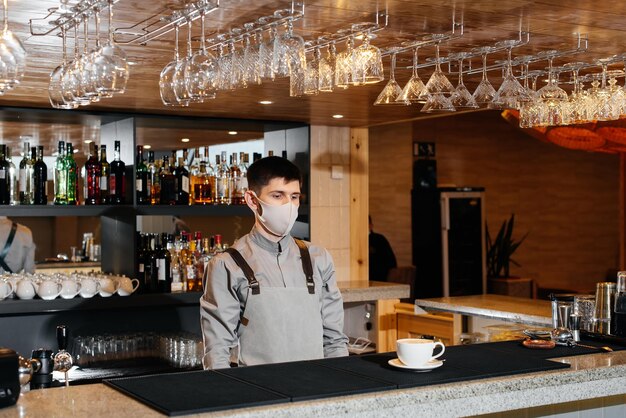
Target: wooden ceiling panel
551 23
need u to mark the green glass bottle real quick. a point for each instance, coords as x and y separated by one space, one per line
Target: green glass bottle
72 176
60 177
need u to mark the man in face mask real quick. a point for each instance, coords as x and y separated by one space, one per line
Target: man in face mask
271 298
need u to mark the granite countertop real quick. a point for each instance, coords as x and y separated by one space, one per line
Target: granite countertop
505 308
590 376
370 290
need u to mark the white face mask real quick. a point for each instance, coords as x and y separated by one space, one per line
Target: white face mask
277 219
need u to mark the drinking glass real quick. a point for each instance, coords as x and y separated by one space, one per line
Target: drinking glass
201 71
551 96
290 50
56 95
343 65
438 82
462 98
180 76
327 70
484 93
250 62
511 92
414 90
13 55
312 74
237 79
367 63
112 73
86 79
166 79
392 90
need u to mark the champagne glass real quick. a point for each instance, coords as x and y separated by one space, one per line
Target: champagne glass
392 90
485 92
438 82
462 98
414 90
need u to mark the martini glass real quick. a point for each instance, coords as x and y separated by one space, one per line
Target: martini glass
484 93
511 92
462 98
392 90
414 90
438 82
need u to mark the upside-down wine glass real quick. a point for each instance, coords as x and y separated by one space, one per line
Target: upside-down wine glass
484 93
166 79
201 70
14 67
462 98
55 92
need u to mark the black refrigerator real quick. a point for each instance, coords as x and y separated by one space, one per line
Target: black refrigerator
449 241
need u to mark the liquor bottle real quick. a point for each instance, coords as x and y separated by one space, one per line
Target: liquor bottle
222 182
154 179
168 184
117 178
150 265
141 180
26 176
13 177
194 179
5 196
270 153
243 166
72 176
256 156
93 172
140 265
236 191
40 179
105 173
219 247
205 257
182 178
60 177
284 154
163 261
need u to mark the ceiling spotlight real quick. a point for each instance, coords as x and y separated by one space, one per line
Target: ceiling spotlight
266 102
337 116
88 141
147 146
185 140
232 132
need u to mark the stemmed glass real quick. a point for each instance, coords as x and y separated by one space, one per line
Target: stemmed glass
237 79
462 98
578 100
86 79
438 82
13 55
392 90
289 49
485 92
312 75
551 96
327 70
343 65
367 63
414 90
250 59
511 92
201 70
166 79
179 81
113 72
58 99
223 66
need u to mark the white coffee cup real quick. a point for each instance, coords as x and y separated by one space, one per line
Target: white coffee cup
416 352
6 289
89 287
69 288
49 289
108 286
126 285
26 289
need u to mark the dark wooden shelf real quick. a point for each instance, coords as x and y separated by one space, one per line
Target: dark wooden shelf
195 210
117 210
16 307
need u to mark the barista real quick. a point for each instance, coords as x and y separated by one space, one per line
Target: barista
271 298
17 250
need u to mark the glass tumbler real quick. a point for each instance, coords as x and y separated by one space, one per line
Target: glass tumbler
585 306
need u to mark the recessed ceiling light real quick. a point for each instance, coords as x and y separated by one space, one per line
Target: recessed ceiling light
88 141
232 132
337 116
147 146
185 140
266 102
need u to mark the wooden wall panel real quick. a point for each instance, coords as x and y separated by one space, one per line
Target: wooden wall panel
568 201
359 205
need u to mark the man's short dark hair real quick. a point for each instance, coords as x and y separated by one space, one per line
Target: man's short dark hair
262 171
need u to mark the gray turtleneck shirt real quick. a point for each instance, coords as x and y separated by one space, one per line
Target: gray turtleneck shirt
275 264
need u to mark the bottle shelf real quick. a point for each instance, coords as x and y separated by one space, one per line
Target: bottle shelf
16 307
117 210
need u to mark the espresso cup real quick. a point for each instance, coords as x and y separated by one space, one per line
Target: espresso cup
6 289
416 352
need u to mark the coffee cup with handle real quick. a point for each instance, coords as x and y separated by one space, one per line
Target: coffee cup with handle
126 286
6 289
417 352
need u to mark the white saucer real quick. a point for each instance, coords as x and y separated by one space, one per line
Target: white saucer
432 364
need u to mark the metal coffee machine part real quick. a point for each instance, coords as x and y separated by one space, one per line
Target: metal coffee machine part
9 378
562 308
42 377
63 360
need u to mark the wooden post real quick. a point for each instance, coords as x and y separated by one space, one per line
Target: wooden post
359 205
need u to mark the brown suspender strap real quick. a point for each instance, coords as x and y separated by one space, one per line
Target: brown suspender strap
307 265
245 267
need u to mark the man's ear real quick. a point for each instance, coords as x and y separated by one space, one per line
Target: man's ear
251 201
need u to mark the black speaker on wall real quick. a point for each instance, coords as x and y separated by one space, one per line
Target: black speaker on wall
424 174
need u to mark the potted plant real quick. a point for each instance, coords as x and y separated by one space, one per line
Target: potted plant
499 259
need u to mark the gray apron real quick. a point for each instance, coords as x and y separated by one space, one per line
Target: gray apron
279 324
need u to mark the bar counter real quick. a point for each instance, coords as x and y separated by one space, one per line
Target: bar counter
593 381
